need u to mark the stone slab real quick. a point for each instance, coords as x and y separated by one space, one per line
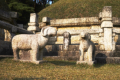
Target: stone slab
5 16
35 62
33 28
75 21
85 62
8 26
13 14
77 32
108 39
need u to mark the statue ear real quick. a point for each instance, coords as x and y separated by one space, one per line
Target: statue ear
43 31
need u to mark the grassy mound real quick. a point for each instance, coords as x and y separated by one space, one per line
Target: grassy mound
79 8
4 6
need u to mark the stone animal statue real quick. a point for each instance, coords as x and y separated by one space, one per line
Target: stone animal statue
86 47
33 42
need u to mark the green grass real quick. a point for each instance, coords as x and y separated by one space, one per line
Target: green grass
56 70
79 8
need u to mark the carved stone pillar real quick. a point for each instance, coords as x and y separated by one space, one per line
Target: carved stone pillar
107 26
33 25
66 40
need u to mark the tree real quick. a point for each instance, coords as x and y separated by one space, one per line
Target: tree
23 7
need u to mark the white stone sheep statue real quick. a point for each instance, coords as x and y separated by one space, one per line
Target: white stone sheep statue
86 49
33 42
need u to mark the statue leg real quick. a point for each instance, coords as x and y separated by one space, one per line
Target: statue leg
41 54
34 54
16 54
81 55
90 53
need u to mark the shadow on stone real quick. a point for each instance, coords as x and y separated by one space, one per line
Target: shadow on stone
50 53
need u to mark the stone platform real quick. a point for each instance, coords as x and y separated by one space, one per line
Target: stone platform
85 62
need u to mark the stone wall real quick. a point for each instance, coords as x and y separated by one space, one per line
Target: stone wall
104 31
8 29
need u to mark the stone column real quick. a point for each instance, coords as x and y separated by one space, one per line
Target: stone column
33 25
107 26
45 22
66 40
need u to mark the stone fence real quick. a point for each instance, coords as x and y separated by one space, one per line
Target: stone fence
8 29
104 31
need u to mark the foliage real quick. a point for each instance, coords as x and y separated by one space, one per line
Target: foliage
3 6
79 8
57 70
24 8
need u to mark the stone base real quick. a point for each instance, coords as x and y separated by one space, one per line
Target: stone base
35 62
86 62
33 28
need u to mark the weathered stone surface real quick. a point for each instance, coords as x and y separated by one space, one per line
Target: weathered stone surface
8 26
74 21
107 12
33 18
13 14
77 32
46 19
107 24
20 25
33 25
32 43
85 62
14 29
66 40
5 16
33 28
68 53
108 39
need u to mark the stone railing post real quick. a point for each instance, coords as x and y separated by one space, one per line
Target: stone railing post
66 40
45 22
107 26
33 25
